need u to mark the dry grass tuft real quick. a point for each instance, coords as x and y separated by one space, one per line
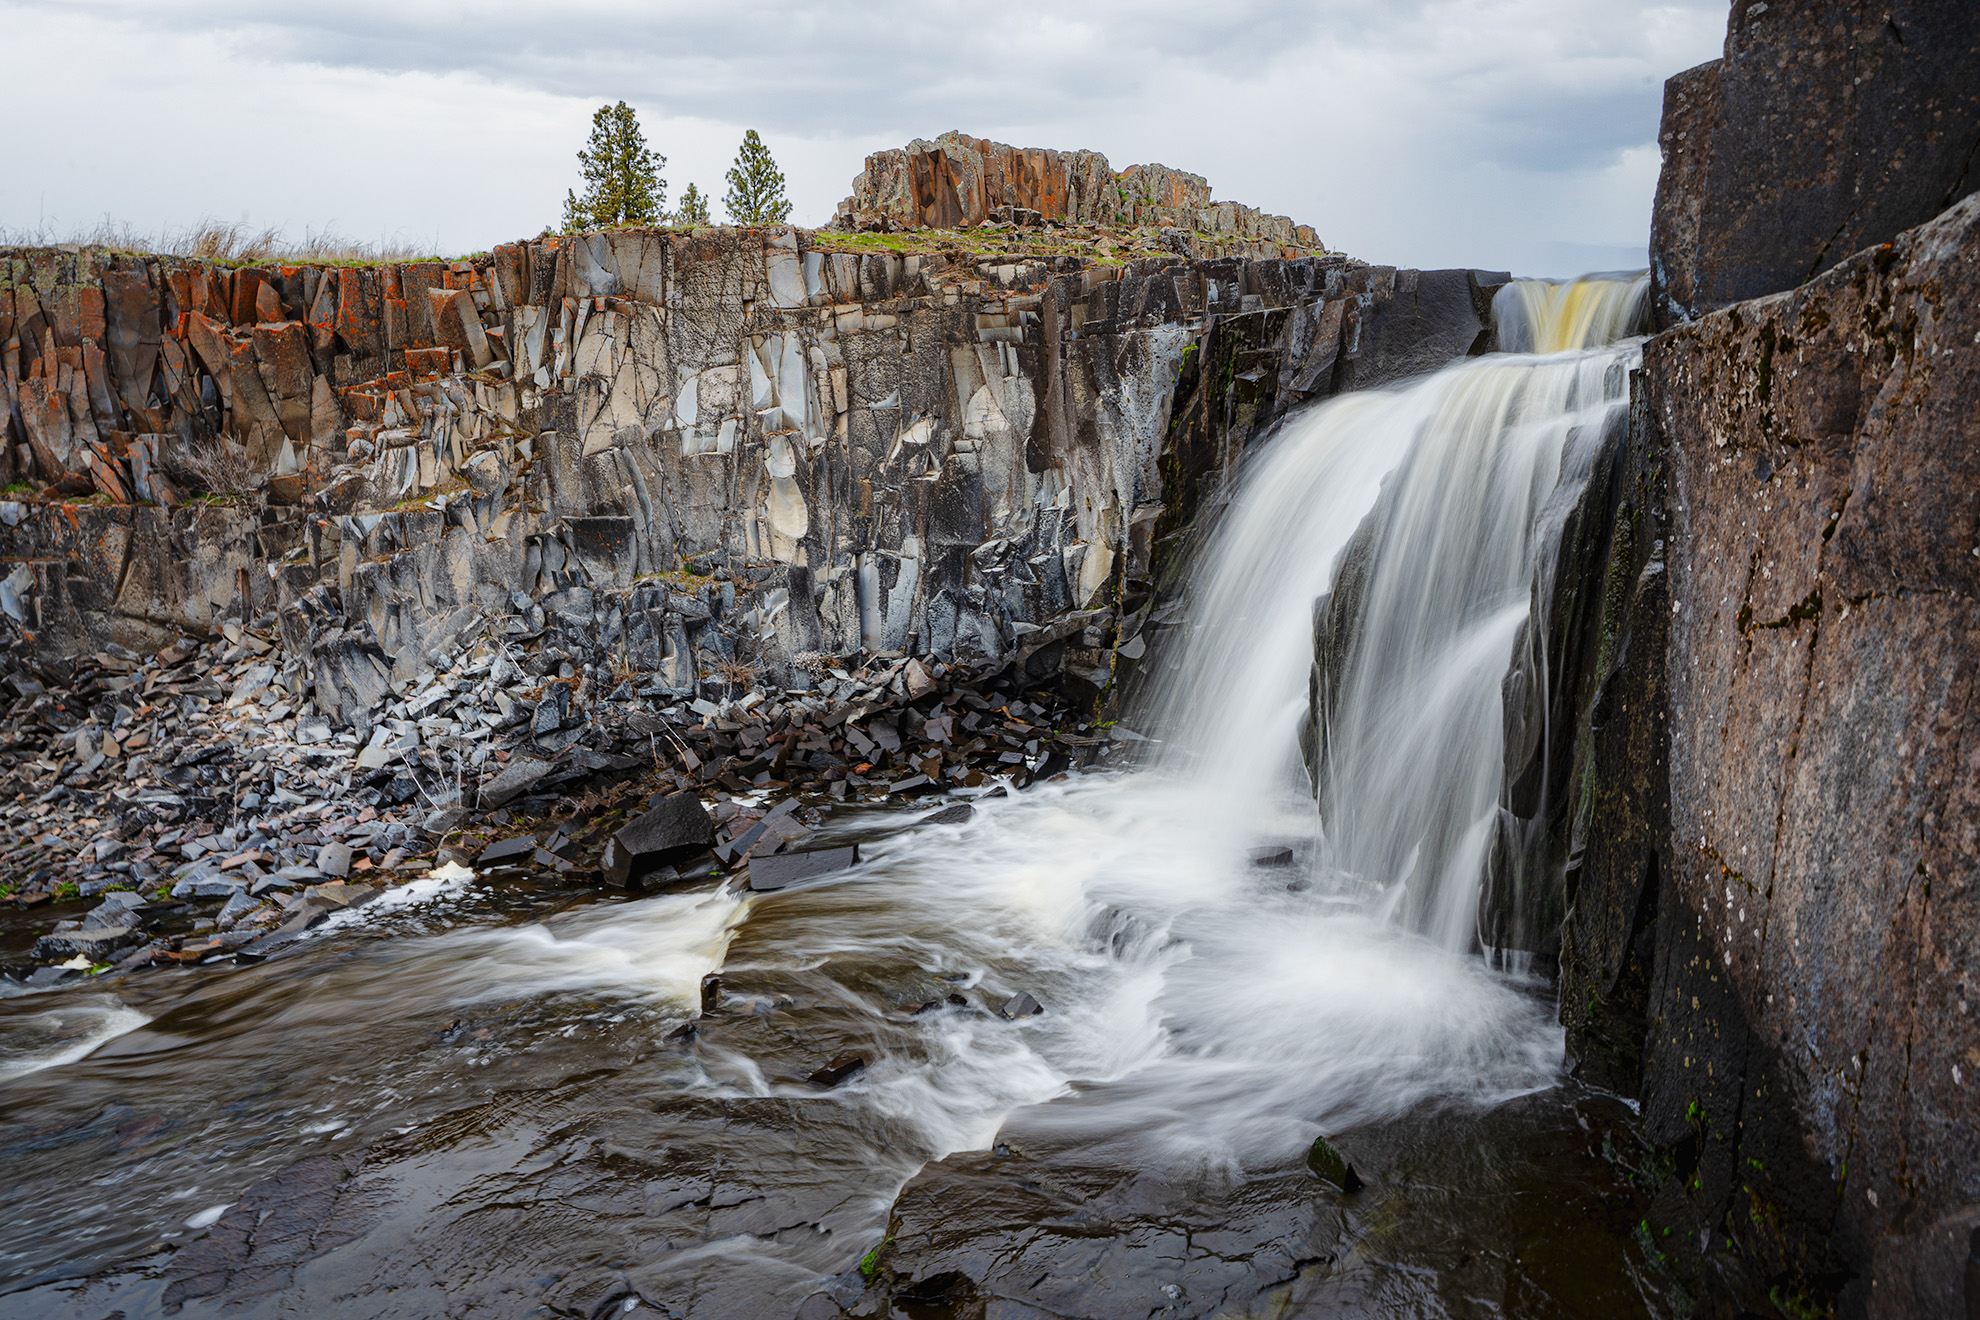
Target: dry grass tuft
736 673
216 467
227 241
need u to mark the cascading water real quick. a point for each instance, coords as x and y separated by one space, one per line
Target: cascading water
1205 1016
1420 602
1560 316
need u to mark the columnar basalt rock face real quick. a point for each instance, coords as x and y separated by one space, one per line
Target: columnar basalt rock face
1826 128
923 452
1798 942
960 180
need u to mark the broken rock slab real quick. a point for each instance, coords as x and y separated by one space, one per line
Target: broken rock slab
767 875
305 916
95 945
513 852
336 895
1330 1166
517 778
676 828
207 886
1021 1005
842 1068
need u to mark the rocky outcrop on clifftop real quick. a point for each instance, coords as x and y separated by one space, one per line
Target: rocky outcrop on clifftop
959 180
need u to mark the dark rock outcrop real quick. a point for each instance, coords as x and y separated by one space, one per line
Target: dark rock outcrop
1774 913
1826 128
769 874
676 827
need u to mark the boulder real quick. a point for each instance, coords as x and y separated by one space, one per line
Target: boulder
301 918
513 852
842 1068
515 779
95 945
336 895
208 885
1021 1005
235 908
118 908
1330 1166
674 829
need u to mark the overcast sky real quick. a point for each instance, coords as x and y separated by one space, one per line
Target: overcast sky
1512 134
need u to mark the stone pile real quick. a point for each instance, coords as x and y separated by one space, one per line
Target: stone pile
204 809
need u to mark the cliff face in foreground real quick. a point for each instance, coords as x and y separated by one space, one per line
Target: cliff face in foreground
1773 923
1774 886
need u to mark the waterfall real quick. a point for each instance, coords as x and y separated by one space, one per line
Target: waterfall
1355 613
1557 316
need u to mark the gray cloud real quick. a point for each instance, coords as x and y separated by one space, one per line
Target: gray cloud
796 66
1421 130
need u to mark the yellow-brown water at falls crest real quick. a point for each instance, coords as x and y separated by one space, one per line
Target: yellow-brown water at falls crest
1240 946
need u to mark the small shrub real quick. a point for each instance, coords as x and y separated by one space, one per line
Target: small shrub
227 241
736 673
217 466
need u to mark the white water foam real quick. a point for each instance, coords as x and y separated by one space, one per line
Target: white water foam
656 949
65 1032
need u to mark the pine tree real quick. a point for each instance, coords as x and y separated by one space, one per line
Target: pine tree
756 186
694 208
622 183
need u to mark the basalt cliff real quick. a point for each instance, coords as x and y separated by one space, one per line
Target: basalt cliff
927 450
287 543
